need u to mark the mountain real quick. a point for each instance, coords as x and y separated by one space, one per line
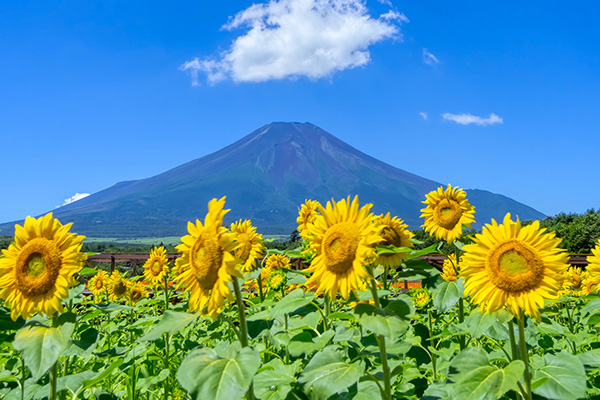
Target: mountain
266 176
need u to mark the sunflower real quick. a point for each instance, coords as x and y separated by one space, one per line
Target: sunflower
514 266
117 286
37 269
446 213
156 266
274 261
343 239
277 279
421 298
97 284
450 268
136 292
206 264
394 233
250 245
589 284
307 213
573 279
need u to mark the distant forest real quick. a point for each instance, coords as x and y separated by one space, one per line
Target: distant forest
579 232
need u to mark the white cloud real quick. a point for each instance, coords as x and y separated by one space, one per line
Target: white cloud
423 114
294 38
467 119
75 197
429 58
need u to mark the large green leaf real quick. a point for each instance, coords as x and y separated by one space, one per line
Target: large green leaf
206 375
294 300
41 346
474 378
380 321
477 323
171 322
447 296
563 377
328 373
274 381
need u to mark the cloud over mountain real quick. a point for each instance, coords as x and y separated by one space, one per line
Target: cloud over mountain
297 38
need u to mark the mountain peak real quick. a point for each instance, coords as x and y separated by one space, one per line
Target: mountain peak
266 176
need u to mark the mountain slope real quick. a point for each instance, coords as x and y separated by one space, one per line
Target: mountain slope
266 175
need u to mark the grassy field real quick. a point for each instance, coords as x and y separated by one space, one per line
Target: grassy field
173 240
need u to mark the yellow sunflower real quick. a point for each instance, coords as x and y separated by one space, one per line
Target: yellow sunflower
156 266
343 239
589 284
394 233
98 285
250 245
593 270
37 269
206 264
513 266
136 292
117 286
421 298
274 261
450 268
446 213
277 279
573 280
306 216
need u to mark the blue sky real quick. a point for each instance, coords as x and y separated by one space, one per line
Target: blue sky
502 96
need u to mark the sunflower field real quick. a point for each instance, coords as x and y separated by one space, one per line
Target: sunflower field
505 317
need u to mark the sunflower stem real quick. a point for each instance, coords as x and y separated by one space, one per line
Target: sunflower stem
243 326
24 374
166 360
53 380
461 305
513 341
524 355
381 343
327 301
432 344
166 294
260 291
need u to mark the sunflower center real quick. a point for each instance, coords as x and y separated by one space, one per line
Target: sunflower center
447 213
37 267
156 268
515 266
136 294
119 289
206 259
99 284
391 237
339 246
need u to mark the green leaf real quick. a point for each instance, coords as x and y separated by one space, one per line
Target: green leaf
328 373
427 250
88 270
478 379
171 322
565 376
447 296
304 343
41 346
292 301
206 375
274 383
7 324
391 249
591 307
380 321
478 323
